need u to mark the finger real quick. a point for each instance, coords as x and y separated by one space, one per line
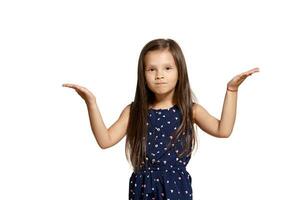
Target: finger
82 89
70 85
67 85
249 73
253 70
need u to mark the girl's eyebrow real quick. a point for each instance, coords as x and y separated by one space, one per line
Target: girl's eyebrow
165 64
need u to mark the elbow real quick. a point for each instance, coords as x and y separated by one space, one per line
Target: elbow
103 146
224 134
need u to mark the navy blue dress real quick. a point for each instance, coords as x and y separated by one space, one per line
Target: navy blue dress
165 177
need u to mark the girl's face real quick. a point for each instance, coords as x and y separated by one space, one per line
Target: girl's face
161 73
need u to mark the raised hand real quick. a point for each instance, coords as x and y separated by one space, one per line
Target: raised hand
87 95
234 83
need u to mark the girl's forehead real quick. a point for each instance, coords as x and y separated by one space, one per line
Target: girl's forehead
158 52
158 57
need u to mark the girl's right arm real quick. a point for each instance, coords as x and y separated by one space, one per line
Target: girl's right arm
107 137
104 137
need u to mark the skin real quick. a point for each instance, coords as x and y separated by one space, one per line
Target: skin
228 115
160 67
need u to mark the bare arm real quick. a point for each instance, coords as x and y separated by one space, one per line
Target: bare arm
228 114
205 120
213 126
222 128
107 137
230 103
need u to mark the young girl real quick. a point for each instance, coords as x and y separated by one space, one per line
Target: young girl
159 123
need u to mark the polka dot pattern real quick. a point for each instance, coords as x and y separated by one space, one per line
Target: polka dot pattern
164 177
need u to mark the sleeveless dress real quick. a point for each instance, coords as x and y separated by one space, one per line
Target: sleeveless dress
165 177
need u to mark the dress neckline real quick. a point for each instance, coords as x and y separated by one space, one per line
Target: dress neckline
162 109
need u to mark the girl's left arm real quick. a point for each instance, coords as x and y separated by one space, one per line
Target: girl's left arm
230 103
228 114
221 128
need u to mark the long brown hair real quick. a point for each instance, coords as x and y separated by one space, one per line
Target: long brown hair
136 139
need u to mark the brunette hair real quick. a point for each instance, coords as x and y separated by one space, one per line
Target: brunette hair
136 139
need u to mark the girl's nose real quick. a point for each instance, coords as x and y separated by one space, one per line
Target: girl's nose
159 77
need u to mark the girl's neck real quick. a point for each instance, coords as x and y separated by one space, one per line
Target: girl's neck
162 105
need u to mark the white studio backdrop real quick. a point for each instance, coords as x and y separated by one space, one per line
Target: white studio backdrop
47 148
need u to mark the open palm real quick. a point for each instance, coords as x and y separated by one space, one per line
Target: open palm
87 95
234 83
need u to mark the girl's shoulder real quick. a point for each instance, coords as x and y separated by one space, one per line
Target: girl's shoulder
197 108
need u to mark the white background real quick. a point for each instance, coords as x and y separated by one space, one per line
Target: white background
47 149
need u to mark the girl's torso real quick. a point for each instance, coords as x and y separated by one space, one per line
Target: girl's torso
164 176
161 124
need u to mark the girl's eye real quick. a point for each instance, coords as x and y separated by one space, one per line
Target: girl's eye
152 69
